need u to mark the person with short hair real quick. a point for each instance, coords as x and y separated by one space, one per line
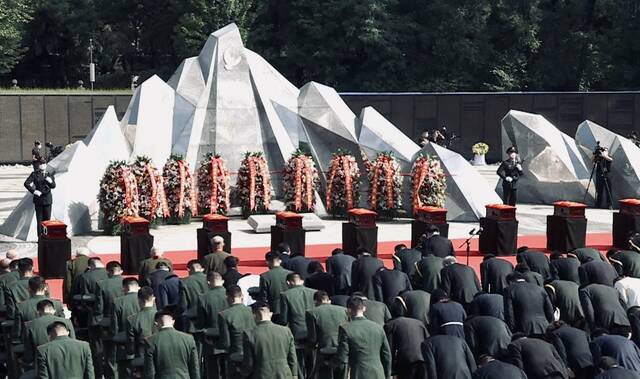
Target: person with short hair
339 266
487 304
445 315
536 357
149 265
362 272
564 268
536 260
529 276
123 307
597 272
565 297
486 335
572 345
491 368
233 322
63 357
211 303
18 291
405 336
28 309
527 307
74 268
141 325
273 282
214 261
446 357
435 244
405 259
375 311
610 369
428 273
623 350
459 281
627 260
232 275
35 331
603 309
157 277
363 345
191 289
493 273
320 280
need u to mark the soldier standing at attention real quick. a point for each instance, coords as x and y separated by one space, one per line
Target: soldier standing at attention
63 357
40 183
510 171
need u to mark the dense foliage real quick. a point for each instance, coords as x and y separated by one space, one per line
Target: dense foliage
354 45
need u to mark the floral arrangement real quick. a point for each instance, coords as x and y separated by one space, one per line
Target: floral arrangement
179 189
153 202
480 148
118 196
213 185
428 182
253 184
385 184
343 183
300 179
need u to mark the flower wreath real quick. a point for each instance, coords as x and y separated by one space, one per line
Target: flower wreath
343 183
179 189
428 182
213 185
385 184
118 196
153 202
300 179
253 184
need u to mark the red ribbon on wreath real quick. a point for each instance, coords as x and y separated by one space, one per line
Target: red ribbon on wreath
252 183
346 167
298 184
161 194
217 170
309 182
266 190
374 186
128 191
332 173
389 183
183 178
422 170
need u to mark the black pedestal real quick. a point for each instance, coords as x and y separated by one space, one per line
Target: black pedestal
133 250
498 237
623 226
418 228
354 237
295 239
566 233
204 237
52 257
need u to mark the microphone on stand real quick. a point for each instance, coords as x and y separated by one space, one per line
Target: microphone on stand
472 231
480 231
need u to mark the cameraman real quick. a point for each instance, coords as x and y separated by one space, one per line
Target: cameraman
602 162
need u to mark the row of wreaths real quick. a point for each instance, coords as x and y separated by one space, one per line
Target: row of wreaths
138 188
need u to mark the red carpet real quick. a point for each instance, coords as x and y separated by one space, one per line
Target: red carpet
252 259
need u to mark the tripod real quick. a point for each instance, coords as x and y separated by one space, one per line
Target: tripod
467 242
596 164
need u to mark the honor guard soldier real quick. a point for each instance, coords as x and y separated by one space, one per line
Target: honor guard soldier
40 183
509 171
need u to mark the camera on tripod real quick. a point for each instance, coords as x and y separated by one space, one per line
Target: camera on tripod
597 152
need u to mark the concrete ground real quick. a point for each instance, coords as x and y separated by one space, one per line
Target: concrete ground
532 221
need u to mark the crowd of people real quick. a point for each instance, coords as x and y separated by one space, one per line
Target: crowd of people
571 315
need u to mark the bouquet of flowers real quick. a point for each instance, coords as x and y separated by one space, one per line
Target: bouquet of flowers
385 184
213 185
253 184
480 148
300 179
343 183
428 182
179 189
153 202
118 196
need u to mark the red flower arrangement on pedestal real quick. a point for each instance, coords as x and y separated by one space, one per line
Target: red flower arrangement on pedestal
213 185
118 196
428 182
153 202
179 189
343 183
385 184
253 184
300 179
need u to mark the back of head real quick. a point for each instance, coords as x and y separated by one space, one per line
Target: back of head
361 251
398 248
314 266
130 284
156 252
45 306
488 256
162 265
261 311
438 295
234 292
57 328
356 304
321 297
5 263
556 255
398 307
432 229
214 278
522 268
94 263
145 294
11 254
294 277
605 363
37 284
217 242
448 260
515 276
337 251
283 248
25 265
194 265
165 317
522 249
114 267
272 256
230 262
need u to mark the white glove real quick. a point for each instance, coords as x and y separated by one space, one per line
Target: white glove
37 193
509 179
49 180
519 167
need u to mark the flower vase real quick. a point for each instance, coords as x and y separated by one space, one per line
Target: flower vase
478 160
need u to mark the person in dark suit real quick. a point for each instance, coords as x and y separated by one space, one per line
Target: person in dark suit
405 336
565 297
446 316
405 259
487 304
627 260
586 254
538 358
486 335
284 251
459 281
623 350
169 291
447 357
527 308
339 266
529 276
564 268
536 260
157 277
427 276
39 184
417 303
433 243
634 319
603 309
610 369
493 273
299 264
491 368
362 272
597 272
572 345
149 265
232 275
510 171
320 280
390 283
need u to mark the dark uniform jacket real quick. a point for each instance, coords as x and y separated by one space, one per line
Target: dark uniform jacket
299 264
533 278
405 260
269 352
572 345
447 357
417 303
597 272
617 373
231 277
527 308
5 280
377 312
140 326
537 261
123 307
427 276
602 307
493 274
362 272
147 266
16 293
171 354
634 320
538 359
566 297
108 290
28 310
169 291
64 357
339 266
586 254
488 304
233 322
460 282
499 370
619 348
294 303
191 288
629 261
272 284
74 268
323 323
438 245
486 335
509 167
390 283
37 181
565 269
155 280
212 302
321 281
447 317
363 346
35 334
215 262
405 336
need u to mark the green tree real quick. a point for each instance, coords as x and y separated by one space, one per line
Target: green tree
14 14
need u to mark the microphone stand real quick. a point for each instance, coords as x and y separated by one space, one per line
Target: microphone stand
468 242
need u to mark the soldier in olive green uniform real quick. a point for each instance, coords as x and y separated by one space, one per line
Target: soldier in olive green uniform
294 304
63 357
273 283
123 307
28 309
148 265
140 326
18 291
74 268
323 323
170 354
427 275
35 331
269 349
191 288
211 303
107 291
363 346
6 278
233 322
214 261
